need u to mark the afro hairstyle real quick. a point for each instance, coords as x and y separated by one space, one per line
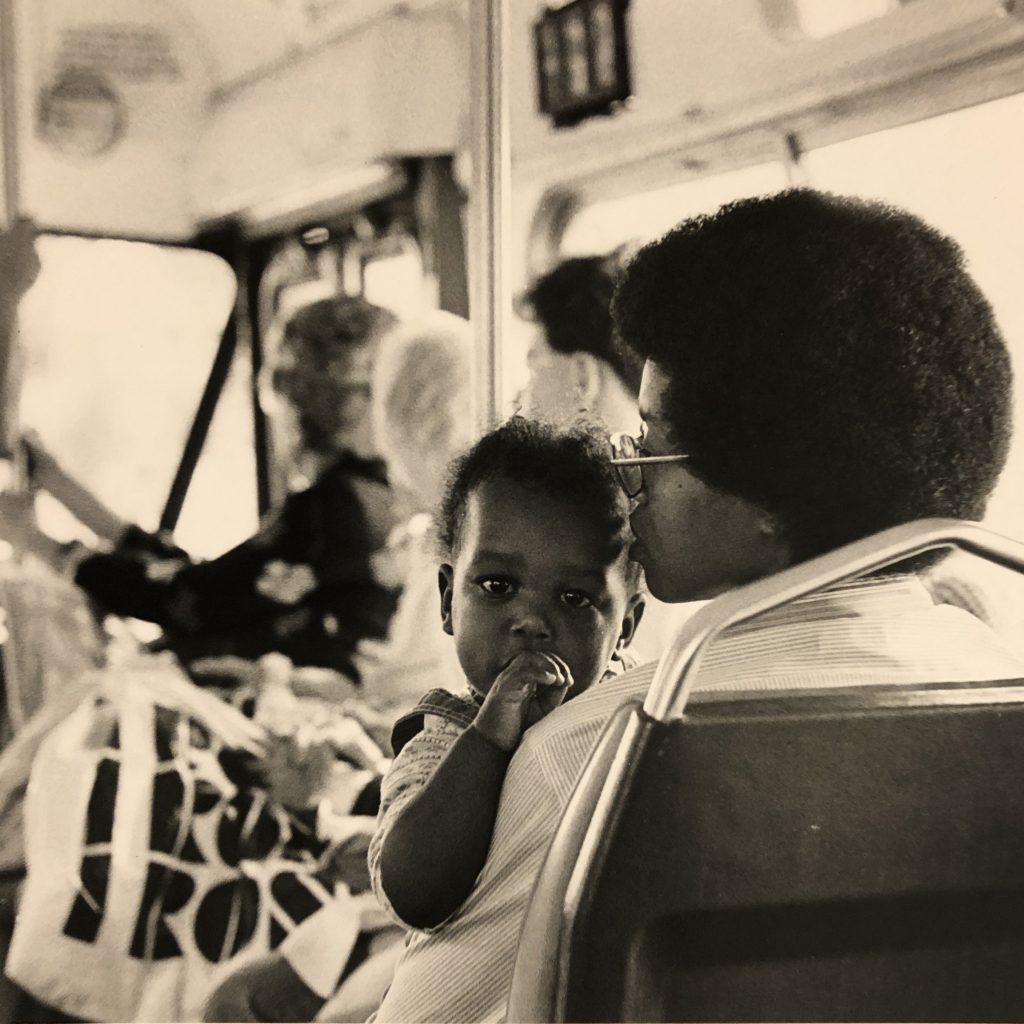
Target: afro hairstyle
828 358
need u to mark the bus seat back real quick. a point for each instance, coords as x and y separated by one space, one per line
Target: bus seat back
845 856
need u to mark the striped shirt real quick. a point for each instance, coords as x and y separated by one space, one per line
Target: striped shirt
881 631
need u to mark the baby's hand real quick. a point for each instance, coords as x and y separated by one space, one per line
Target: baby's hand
532 684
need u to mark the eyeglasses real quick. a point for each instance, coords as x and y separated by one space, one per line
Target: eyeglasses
629 463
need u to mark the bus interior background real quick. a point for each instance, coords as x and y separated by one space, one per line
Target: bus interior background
119 334
197 168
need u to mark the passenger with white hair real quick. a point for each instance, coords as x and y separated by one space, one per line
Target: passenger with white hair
421 399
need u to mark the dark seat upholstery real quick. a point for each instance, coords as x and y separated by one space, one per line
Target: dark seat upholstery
816 855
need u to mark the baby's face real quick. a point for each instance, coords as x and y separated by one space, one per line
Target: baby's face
532 574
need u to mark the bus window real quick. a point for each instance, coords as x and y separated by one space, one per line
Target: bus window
819 18
118 338
393 278
604 224
960 172
386 270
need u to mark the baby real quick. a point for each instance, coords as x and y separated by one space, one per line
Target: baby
541 598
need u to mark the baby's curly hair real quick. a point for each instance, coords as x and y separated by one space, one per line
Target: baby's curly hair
828 358
570 466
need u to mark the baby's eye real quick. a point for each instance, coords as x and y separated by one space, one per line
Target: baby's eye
496 585
576 599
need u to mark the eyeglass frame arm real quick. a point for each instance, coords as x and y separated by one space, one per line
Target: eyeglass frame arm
677 670
639 460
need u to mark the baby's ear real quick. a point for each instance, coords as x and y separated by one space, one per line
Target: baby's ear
446 581
631 620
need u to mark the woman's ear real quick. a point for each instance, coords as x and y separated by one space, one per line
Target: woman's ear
631 620
446 581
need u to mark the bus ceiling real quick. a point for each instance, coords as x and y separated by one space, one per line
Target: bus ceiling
719 85
157 118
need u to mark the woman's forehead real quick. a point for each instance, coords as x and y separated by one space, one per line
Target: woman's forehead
653 402
654 384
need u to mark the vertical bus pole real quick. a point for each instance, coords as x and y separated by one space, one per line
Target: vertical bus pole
8 216
489 203
9 113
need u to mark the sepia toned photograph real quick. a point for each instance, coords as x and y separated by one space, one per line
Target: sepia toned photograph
511 510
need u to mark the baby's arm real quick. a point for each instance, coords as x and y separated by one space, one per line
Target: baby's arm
437 843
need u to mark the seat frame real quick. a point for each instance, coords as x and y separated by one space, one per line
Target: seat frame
565 920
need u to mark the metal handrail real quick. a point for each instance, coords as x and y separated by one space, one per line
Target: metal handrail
489 202
677 670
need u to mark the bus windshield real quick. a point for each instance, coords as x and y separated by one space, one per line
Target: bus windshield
117 339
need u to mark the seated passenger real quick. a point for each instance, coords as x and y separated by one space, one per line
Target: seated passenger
303 585
576 367
817 369
541 598
149 695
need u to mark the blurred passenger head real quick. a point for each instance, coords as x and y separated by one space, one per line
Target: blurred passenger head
421 407
576 366
830 367
536 532
322 370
